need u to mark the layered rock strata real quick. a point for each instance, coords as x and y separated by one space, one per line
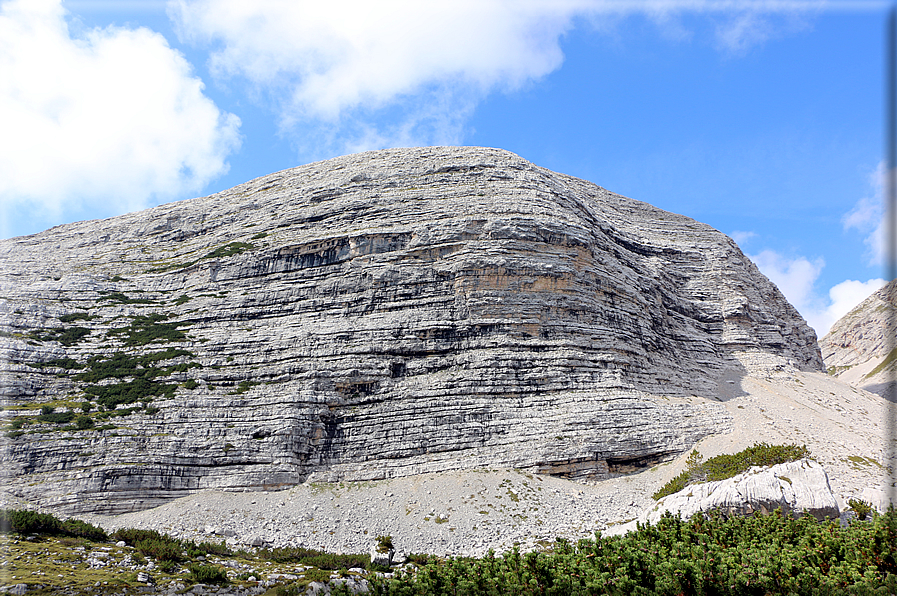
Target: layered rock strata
858 349
377 315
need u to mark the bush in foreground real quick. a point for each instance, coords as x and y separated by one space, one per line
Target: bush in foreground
757 555
27 522
206 574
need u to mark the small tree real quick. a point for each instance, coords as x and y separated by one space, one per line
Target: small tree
384 544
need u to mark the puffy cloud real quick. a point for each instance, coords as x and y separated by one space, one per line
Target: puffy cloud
796 278
364 75
848 294
108 120
347 65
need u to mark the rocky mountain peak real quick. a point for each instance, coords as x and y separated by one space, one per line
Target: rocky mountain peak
371 316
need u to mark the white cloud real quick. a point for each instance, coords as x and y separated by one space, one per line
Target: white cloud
741 238
109 120
868 218
347 65
347 75
796 278
849 294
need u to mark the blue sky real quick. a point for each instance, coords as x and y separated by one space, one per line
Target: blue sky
762 118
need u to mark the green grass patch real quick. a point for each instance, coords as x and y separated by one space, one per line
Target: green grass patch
228 250
892 355
145 329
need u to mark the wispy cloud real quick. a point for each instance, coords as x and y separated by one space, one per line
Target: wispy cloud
742 238
867 217
107 120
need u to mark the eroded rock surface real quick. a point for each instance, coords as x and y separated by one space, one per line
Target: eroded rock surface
377 315
857 349
799 487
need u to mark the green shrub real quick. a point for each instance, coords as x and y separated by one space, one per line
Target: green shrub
85 406
161 550
81 529
860 507
29 522
168 566
71 318
206 574
55 417
215 548
147 329
83 422
384 544
132 536
123 299
190 384
234 248
756 555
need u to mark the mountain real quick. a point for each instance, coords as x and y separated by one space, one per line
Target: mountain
375 316
857 350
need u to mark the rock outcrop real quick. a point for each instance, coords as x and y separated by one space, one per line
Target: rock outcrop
799 487
857 349
371 316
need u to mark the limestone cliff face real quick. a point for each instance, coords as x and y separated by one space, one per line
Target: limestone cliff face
375 315
857 350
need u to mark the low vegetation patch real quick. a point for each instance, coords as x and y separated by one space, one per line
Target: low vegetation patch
31 522
234 248
146 329
773 554
725 466
67 336
124 299
892 355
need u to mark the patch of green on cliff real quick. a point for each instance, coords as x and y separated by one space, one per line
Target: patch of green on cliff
67 336
892 355
146 329
123 299
64 363
228 250
834 371
243 387
78 316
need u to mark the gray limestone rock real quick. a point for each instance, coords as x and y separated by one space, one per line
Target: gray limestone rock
372 316
857 349
799 487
